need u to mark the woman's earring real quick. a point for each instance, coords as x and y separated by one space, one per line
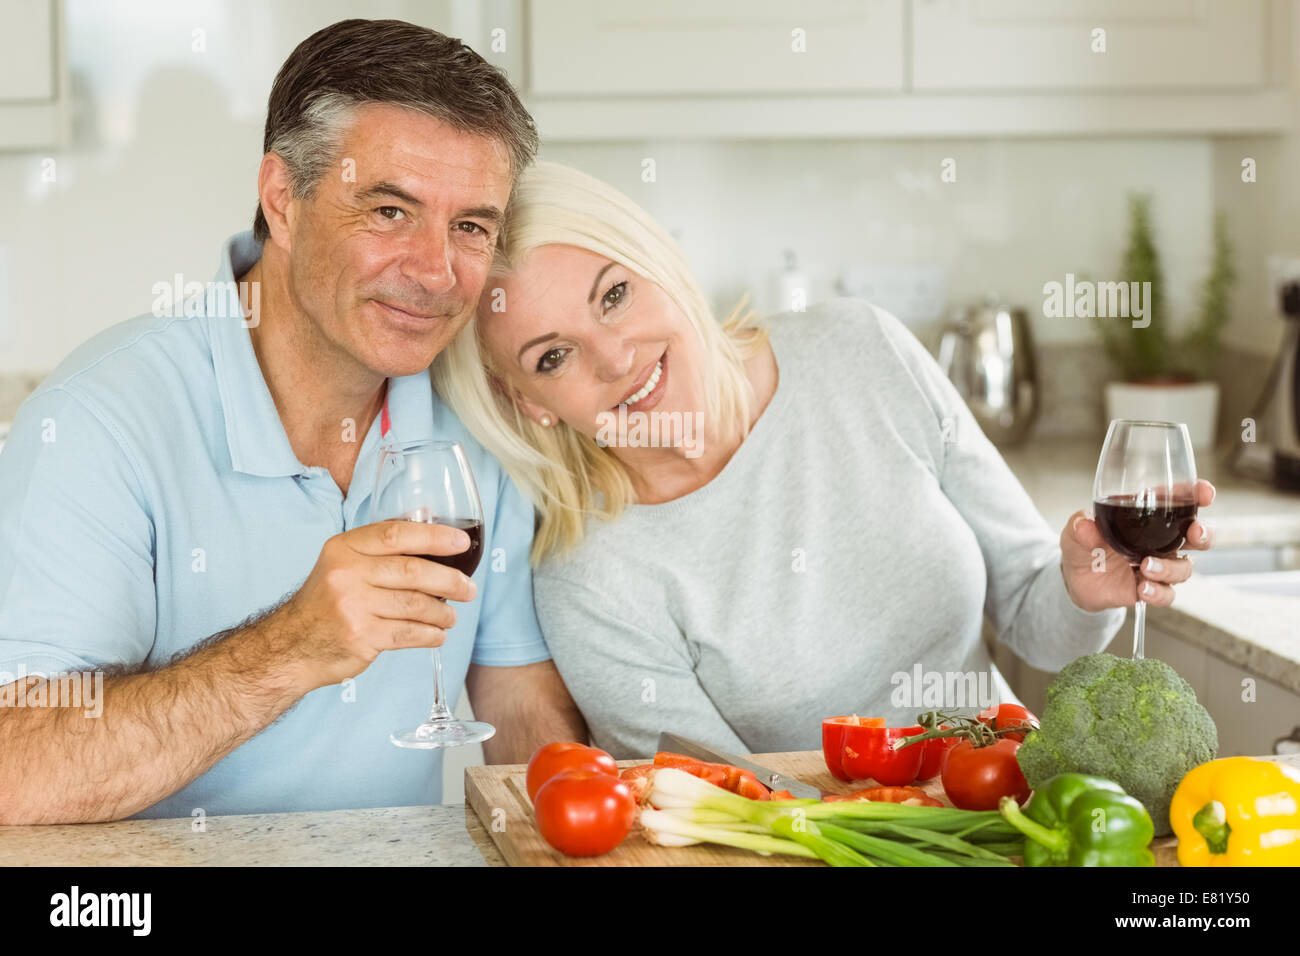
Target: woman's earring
546 421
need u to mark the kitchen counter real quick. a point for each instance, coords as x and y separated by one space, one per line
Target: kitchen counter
1058 475
1258 632
397 836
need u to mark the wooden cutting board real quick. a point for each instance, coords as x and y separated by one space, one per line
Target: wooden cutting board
503 816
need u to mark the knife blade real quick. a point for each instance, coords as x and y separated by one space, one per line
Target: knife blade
766 775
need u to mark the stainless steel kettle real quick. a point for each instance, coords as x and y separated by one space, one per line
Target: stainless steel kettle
987 352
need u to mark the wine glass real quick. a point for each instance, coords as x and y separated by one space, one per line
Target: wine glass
1144 496
432 481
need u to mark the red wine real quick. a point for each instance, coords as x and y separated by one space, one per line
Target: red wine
1136 531
467 560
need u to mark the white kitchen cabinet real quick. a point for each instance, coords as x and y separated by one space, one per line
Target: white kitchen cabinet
33 81
27 50
1249 723
1042 45
1250 718
675 47
724 69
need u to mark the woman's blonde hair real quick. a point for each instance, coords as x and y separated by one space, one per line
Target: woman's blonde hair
567 475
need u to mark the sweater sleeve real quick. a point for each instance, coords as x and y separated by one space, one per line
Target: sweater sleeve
629 684
1025 597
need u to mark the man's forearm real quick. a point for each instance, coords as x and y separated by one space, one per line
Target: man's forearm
529 706
529 727
155 733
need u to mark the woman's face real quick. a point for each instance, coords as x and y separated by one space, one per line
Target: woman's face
578 336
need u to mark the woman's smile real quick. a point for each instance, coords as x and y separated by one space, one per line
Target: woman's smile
651 389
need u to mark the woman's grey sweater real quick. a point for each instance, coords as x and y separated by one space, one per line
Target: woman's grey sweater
842 562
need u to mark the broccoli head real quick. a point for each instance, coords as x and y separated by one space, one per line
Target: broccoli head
1135 722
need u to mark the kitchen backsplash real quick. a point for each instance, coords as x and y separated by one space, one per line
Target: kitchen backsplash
1070 393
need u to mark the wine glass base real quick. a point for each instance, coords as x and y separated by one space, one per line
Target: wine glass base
432 735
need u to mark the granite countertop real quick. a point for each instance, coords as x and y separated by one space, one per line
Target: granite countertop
395 836
1258 632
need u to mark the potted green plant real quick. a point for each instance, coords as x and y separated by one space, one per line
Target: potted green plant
1164 377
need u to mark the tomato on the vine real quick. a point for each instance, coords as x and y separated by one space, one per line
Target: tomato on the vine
584 812
975 778
1002 716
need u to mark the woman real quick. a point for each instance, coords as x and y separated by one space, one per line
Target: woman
745 529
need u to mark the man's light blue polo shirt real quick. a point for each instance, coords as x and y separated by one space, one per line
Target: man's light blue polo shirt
149 498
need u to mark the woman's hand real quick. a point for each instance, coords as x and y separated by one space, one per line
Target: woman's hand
1118 585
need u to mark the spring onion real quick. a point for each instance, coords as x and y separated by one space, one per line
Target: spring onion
685 809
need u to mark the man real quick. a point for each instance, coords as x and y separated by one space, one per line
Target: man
183 502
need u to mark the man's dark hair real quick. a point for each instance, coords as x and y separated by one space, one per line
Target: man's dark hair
355 62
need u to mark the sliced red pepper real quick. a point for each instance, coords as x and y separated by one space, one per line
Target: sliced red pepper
866 750
666 758
912 796
833 730
732 779
638 781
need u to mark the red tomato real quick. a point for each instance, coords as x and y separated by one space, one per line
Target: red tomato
868 753
913 796
936 749
1008 715
554 758
975 778
584 812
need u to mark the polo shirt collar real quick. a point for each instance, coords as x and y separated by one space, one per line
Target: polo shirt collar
255 436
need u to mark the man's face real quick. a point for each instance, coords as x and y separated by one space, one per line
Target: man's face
389 255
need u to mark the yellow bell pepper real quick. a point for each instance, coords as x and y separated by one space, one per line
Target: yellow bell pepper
1238 811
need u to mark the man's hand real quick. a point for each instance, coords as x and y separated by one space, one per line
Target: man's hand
1119 585
371 592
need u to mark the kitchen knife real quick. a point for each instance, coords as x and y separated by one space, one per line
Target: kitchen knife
766 775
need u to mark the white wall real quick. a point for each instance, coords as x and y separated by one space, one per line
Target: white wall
168 139
1021 213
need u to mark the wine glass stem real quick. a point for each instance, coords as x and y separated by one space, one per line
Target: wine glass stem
440 710
1139 629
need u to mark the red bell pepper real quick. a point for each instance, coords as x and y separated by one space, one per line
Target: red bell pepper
935 752
734 779
912 796
862 748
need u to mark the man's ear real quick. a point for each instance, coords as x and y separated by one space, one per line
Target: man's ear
275 193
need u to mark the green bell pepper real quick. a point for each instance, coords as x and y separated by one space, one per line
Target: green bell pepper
1079 820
